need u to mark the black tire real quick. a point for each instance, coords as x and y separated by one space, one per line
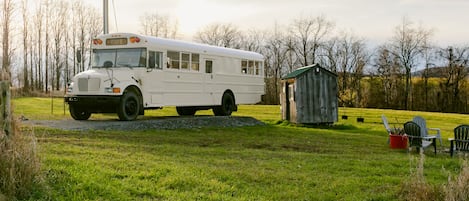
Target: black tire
78 113
129 106
227 106
186 111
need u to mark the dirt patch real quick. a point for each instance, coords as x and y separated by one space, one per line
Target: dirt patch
146 124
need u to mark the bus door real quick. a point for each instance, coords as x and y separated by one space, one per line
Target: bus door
153 80
209 85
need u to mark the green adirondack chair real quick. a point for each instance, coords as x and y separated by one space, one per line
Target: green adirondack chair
416 139
460 142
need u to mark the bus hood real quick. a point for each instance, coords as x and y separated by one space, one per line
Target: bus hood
98 79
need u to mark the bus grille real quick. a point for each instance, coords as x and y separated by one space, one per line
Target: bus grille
88 84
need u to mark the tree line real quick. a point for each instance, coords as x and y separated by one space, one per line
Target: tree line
378 77
50 42
46 42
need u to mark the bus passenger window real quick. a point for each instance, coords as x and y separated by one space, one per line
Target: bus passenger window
251 68
154 60
244 67
151 59
173 60
158 63
195 62
143 59
257 68
185 58
208 66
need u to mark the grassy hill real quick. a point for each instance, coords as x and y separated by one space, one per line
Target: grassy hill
279 161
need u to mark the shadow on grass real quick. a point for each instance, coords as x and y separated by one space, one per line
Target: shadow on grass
318 126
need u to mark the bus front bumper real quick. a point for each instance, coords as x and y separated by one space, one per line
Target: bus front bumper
94 104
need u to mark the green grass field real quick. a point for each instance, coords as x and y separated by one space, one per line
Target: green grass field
279 161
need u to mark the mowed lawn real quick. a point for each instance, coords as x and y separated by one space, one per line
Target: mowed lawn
278 161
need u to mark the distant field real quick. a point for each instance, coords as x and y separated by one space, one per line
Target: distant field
279 161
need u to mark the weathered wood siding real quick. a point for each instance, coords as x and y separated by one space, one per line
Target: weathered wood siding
316 97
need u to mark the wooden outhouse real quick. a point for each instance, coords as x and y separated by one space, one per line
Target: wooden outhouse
309 96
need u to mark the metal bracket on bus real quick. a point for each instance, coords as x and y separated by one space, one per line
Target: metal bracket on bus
135 79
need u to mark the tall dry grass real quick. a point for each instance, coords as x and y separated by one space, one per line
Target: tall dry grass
418 189
19 164
457 188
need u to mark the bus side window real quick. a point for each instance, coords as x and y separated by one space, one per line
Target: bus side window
244 67
151 59
158 60
154 60
251 68
143 59
195 62
208 66
257 68
173 59
185 60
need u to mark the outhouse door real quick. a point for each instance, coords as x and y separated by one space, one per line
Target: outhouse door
291 102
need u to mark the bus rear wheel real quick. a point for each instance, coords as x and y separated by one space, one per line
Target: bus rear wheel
227 106
129 106
78 113
186 111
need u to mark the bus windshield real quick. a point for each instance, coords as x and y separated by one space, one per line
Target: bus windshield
132 57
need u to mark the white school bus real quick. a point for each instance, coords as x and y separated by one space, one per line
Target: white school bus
131 73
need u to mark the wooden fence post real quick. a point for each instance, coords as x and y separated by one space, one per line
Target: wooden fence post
5 107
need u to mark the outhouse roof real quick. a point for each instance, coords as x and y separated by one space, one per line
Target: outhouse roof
297 72
302 70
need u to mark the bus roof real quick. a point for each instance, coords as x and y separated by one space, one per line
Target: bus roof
178 45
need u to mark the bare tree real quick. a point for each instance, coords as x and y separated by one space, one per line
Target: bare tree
328 58
24 11
252 40
82 20
224 35
348 55
275 55
47 43
310 33
159 25
67 39
7 9
32 68
407 44
429 57
389 70
94 27
455 73
76 7
38 54
59 13
292 60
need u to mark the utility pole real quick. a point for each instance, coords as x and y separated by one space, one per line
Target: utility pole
105 17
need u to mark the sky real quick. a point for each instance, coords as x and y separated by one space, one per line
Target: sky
374 20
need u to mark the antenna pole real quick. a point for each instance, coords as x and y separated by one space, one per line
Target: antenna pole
105 17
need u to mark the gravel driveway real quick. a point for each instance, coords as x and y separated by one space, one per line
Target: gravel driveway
145 124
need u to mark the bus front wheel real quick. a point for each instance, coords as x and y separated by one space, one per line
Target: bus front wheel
227 106
78 113
129 106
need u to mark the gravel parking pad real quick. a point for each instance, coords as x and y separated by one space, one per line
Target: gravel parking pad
147 124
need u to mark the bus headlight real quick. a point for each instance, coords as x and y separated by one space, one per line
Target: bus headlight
115 90
70 88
